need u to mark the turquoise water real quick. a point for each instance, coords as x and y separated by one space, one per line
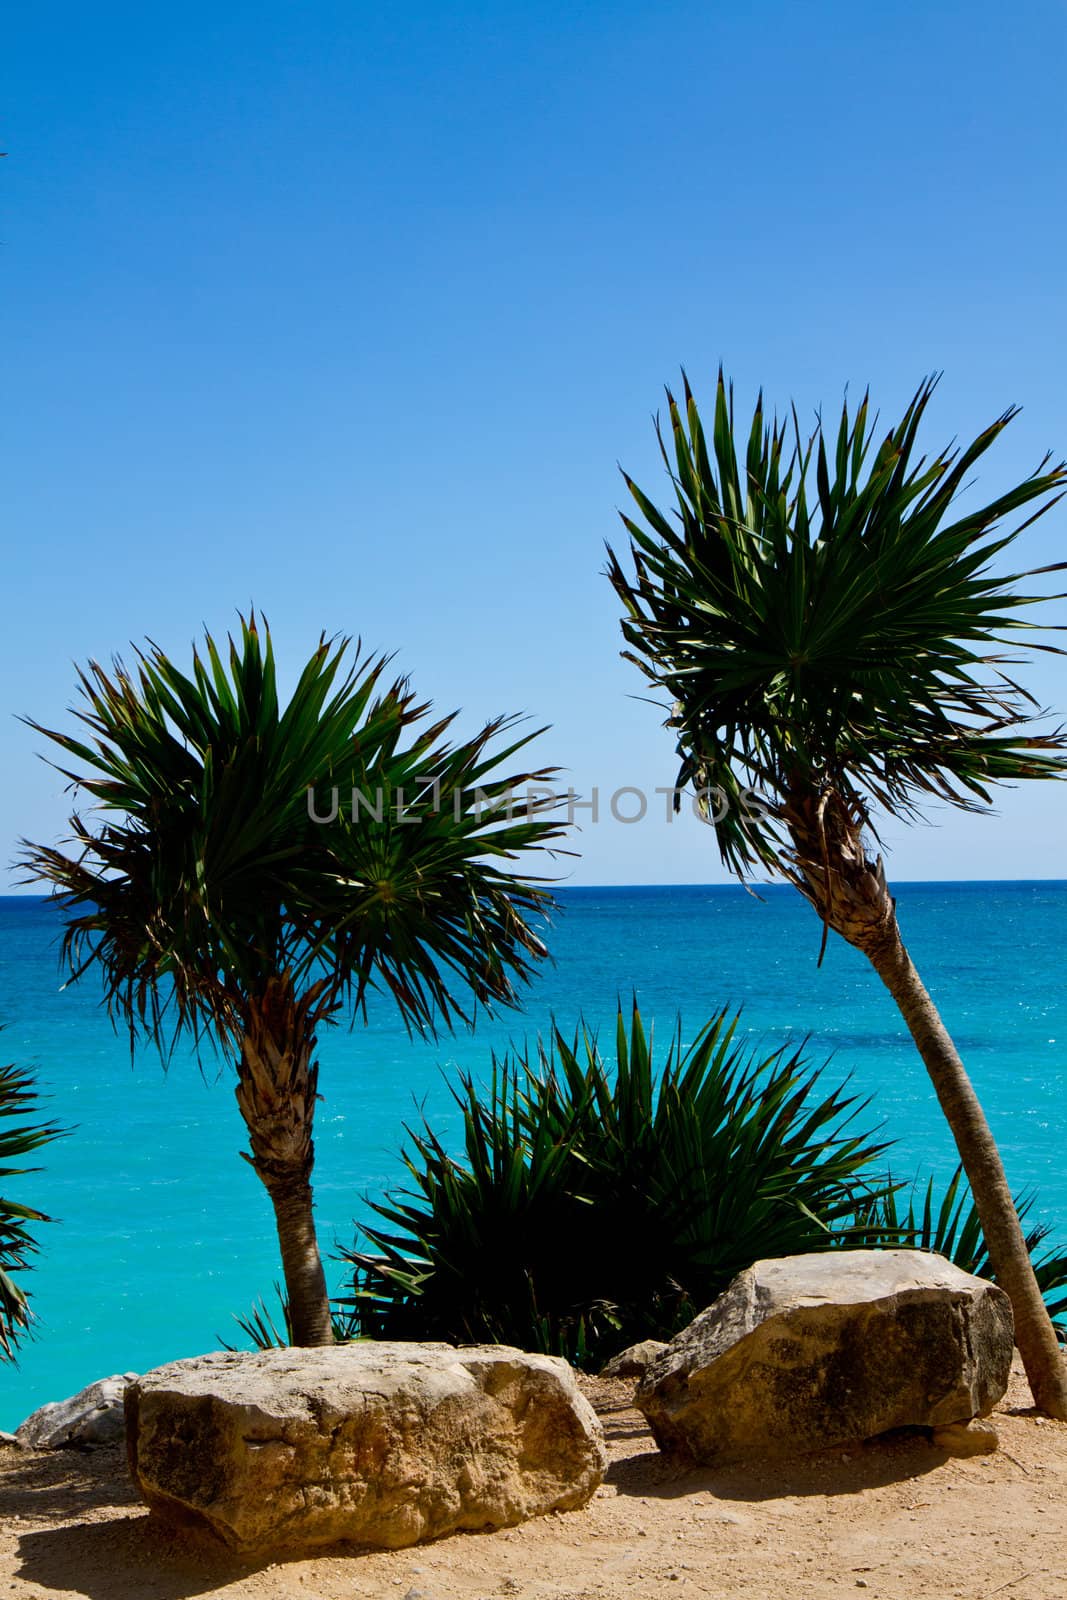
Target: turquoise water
165 1233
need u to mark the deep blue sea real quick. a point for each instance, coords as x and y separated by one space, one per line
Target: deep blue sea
164 1233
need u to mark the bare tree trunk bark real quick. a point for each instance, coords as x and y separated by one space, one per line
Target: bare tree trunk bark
277 1080
831 868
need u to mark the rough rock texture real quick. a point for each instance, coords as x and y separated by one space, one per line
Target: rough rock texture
92 1416
375 1443
815 1350
634 1361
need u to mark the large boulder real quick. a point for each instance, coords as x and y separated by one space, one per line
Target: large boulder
92 1416
374 1443
815 1350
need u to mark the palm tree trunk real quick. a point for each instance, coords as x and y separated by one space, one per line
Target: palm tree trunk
1008 1255
305 1281
831 868
277 1080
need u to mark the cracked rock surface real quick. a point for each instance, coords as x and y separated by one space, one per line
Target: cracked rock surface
808 1351
380 1444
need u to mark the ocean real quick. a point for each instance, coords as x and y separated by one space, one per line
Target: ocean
164 1233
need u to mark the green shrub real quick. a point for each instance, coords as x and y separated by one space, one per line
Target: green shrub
601 1204
18 1138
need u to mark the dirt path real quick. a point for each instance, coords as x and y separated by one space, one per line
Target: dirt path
895 1519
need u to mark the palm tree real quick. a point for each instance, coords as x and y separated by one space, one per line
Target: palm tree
254 868
18 1139
829 655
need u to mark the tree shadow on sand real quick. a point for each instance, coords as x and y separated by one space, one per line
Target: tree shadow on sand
62 1483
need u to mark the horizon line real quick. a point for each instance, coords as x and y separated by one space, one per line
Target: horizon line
722 883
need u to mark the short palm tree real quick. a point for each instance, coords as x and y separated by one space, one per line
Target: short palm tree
217 901
837 653
18 1139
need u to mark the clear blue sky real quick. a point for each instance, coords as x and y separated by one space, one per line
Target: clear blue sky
351 310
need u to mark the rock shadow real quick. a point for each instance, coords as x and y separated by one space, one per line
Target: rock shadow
98 1538
124 1557
100 1542
843 1470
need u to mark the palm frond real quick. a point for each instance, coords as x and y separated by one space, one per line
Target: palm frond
203 867
18 1139
834 614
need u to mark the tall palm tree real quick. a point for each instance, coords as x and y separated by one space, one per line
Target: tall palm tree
18 1139
252 868
838 653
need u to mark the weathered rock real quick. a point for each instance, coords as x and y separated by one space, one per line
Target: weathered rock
816 1350
374 1443
974 1438
634 1361
9 1440
92 1416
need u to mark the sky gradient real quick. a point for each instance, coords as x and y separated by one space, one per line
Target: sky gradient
352 311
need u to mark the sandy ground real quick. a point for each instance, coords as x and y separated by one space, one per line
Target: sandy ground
895 1518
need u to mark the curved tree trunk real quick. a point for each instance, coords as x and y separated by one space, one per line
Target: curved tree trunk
849 892
276 1091
1008 1255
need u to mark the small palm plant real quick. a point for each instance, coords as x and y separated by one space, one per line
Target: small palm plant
253 868
18 1139
263 1332
597 1202
839 649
